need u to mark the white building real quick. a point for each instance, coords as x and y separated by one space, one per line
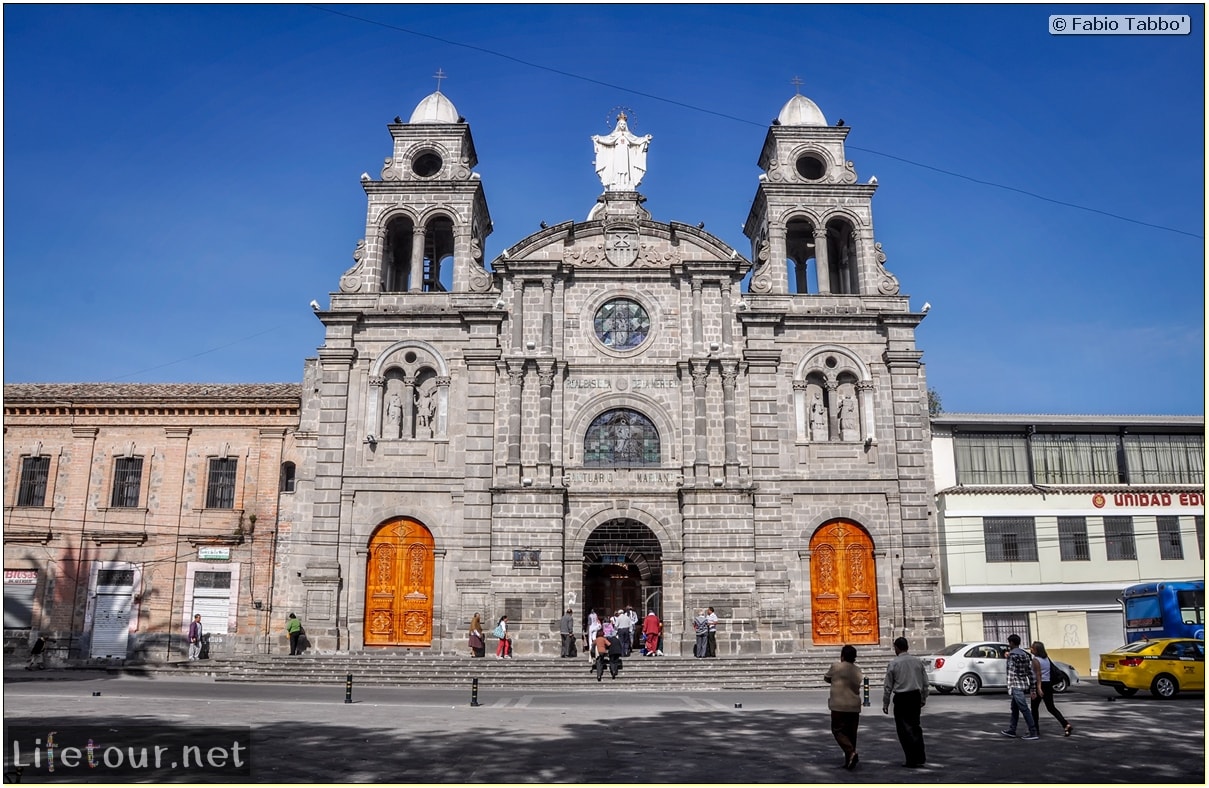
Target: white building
1044 520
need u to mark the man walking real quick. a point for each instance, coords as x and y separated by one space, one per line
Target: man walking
907 683
1024 682
195 637
711 644
701 631
566 629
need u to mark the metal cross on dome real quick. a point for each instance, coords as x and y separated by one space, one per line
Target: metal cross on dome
439 76
797 84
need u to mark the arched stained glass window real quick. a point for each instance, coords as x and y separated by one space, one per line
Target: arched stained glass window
619 438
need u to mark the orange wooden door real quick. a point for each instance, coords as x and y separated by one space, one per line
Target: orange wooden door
843 586
398 585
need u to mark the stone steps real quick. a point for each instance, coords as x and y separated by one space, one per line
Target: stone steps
797 672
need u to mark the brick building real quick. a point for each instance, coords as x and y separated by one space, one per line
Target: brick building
127 507
618 411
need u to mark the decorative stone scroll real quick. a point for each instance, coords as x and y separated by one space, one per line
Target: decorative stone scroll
887 283
352 279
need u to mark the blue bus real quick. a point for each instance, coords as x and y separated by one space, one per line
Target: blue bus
1171 609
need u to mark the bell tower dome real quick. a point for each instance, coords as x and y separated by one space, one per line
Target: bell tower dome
811 223
427 217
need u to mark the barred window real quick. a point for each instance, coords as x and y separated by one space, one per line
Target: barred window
1165 459
991 458
127 482
1072 539
1075 459
1170 546
1010 539
35 472
1118 539
621 438
211 580
220 492
997 626
115 577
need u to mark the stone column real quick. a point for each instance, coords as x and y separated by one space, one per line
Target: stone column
728 315
730 376
415 271
547 316
441 427
516 378
407 424
822 266
833 408
699 371
865 279
374 407
697 332
802 431
865 394
545 380
518 316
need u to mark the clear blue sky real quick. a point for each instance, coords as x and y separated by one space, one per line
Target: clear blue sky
180 181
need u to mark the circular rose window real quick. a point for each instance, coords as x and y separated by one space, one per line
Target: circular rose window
622 324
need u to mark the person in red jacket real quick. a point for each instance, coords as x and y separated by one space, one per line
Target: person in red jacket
651 627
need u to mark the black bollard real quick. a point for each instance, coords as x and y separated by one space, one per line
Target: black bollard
348 689
474 692
866 690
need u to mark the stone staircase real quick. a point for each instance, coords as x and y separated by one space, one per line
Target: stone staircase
651 674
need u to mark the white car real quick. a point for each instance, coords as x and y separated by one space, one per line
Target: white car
970 667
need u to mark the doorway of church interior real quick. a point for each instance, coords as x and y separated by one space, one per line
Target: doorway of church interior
843 585
623 565
399 585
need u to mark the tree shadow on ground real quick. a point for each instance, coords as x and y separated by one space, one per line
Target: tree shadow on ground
1122 742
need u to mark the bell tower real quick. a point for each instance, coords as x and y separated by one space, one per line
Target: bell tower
427 217
811 223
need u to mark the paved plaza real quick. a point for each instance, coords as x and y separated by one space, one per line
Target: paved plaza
608 734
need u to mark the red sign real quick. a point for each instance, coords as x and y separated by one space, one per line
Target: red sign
20 577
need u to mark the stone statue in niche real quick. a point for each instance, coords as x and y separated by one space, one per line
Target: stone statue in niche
425 409
849 428
620 157
394 415
818 418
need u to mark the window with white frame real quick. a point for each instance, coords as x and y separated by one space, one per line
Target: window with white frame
1118 539
1171 548
1010 539
1072 539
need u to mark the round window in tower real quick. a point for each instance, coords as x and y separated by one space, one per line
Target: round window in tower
427 164
622 324
811 167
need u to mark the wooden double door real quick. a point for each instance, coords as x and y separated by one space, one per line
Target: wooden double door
399 585
843 586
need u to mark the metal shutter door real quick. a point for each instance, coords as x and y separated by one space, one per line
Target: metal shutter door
111 625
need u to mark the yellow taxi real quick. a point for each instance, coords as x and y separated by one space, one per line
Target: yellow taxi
1165 667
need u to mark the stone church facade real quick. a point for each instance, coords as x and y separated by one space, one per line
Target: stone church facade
618 411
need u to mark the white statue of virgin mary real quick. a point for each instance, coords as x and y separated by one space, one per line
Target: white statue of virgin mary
621 157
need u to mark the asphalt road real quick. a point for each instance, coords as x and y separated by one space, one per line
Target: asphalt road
603 734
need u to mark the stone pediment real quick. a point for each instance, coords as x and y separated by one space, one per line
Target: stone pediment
616 244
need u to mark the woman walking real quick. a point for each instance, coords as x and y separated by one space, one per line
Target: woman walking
1047 690
845 703
478 646
504 649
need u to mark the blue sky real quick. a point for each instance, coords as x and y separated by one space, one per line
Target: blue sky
180 181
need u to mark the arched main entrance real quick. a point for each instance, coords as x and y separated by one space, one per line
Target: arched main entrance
399 584
623 565
843 585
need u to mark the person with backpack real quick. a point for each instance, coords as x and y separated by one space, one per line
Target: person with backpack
503 649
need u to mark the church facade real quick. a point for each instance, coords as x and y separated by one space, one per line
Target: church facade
618 411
